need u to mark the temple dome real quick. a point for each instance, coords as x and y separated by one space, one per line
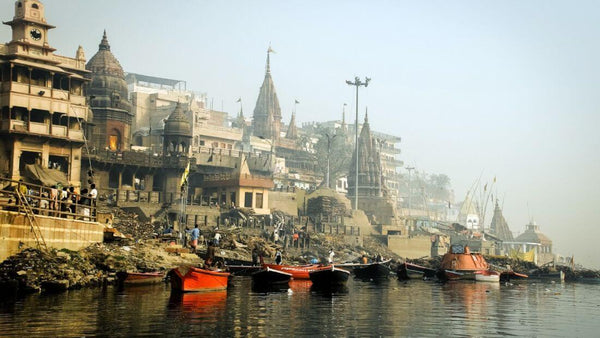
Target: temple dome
177 123
104 62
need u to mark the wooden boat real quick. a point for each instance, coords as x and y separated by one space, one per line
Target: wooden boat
375 270
329 275
511 276
297 271
268 276
460 263
195 279
487 276
139 278
243 270
414 271
557 276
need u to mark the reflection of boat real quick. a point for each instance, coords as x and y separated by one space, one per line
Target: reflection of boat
329 275
195 279
511 276
300 285
375 270
268 276
297 271
210 303
461 263
139 278
412 271
487 276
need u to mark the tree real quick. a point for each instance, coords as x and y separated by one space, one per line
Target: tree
340 153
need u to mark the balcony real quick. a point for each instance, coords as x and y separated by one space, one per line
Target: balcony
58 130
38 128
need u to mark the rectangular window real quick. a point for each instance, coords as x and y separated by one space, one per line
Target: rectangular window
259 200
248 200
201 142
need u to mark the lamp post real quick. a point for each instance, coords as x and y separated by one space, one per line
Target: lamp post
357 83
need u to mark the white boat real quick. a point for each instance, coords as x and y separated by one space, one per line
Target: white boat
487 276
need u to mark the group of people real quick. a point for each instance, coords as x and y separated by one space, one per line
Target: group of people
54 201
195 236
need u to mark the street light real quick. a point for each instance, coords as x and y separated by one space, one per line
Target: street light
357 83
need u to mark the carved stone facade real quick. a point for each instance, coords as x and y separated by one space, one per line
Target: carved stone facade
267 112
108 97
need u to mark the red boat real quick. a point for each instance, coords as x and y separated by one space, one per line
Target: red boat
297 271
461 263
194 279
139 278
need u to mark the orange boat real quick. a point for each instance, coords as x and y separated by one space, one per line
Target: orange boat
297 271
194 279
461 263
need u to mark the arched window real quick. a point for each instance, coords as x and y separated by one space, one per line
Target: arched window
34 6
19 4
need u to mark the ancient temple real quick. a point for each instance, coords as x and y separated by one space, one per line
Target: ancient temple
267 112
369 166
108 97
239 121
499 227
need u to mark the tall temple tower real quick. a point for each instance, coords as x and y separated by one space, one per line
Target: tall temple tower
108 99
369 166
267 112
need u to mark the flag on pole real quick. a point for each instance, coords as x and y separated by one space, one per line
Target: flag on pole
185 175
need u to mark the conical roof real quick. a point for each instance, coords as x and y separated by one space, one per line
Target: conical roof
369 168
267 112
499 227
292 132
104 62
177 123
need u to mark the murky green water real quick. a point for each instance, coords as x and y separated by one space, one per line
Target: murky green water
392 308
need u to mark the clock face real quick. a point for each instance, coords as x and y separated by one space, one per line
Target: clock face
36 34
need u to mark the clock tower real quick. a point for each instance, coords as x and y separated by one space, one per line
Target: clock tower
29 30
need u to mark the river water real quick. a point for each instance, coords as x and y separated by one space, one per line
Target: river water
362 309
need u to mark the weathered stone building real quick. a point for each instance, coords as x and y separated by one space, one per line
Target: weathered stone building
41 98
108 98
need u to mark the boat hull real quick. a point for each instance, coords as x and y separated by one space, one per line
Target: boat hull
414 271
329 276
297 271
270 276
195 279
487 276
372 271
511 276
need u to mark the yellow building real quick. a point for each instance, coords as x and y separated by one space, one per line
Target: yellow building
41 99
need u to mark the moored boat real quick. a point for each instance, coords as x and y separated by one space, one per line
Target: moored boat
511 276
487 276
375 270
243 270
139 278
268 276
297 271
188 279
461 263
414 271
328 276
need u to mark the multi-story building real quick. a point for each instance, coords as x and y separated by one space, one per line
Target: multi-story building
44 110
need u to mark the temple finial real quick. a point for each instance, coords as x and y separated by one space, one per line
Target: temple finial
269 51
366 114
104 43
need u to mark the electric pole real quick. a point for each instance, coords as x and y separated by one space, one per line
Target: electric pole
357 83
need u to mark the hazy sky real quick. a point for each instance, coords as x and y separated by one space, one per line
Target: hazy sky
506 88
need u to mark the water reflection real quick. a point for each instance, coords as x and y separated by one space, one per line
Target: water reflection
390 308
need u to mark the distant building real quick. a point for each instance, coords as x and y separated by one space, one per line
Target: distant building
266 121
532 244
44 111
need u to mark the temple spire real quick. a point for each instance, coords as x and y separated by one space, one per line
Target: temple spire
366 115
104 43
